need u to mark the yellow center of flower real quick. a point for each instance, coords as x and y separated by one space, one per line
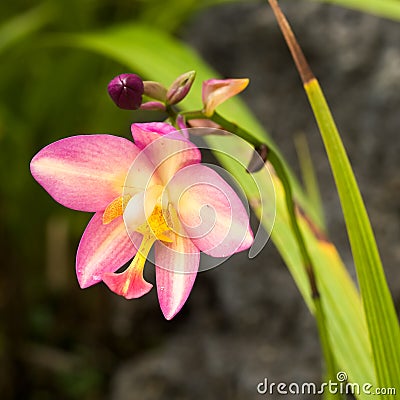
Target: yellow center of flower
156 226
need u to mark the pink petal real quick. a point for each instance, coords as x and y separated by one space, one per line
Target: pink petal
247 241
210 211
141 175
144 133
166 148
129 283
177 264
103 248
84 172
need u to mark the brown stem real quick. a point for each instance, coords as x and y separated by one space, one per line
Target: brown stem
301 63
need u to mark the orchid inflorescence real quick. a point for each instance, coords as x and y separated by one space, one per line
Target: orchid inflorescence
153 191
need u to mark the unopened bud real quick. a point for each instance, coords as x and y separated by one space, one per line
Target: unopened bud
155 90
126 90
216 91
180 87
153 106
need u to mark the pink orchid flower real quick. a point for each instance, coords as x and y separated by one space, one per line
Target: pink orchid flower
216 91
151 192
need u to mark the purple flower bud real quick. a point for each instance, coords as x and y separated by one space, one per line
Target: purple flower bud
126 90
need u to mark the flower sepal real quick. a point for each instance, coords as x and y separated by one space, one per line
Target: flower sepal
155 90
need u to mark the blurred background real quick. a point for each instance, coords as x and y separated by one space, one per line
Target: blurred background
244 321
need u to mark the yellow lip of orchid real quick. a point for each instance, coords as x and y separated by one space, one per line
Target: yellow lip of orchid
133 284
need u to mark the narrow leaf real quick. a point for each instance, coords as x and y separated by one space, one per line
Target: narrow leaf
309 176
380 313
382 8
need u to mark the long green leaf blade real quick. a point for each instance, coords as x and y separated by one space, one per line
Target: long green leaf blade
380 313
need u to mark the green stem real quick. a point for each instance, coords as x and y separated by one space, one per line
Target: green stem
227 125
236 129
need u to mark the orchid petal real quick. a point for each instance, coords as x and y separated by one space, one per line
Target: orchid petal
216 91
84 172
177 264
247 241
210 211
167 149
146 132
129 283
103 248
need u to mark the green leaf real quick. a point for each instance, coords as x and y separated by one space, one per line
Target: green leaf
381 317
158 56
309 176
382 8
178 11
23 25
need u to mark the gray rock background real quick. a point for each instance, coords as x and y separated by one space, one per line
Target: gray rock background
246 320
